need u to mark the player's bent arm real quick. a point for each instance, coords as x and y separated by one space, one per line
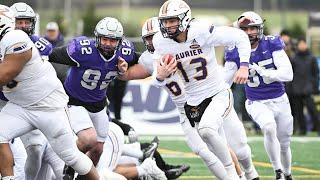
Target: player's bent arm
60 55
135 60
137 71
232 37
229 69
12 65
284 72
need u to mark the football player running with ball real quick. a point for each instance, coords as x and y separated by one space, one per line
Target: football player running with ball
235 132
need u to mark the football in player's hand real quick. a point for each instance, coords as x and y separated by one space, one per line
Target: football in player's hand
166 59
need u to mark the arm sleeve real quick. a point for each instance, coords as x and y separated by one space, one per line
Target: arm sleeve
231 37
59 55
135 59
284 72
229 69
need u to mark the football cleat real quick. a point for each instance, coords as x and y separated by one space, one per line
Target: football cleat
279 174
149 151
288 177
68 173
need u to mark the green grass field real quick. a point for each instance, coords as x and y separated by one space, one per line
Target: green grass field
305 152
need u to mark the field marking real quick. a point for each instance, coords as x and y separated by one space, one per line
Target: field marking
264 177
250 139
171 153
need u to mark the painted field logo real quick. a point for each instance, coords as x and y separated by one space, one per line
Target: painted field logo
149 103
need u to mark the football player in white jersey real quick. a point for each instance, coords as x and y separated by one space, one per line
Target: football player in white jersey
235 132
36 100
37 147
209 99
267 103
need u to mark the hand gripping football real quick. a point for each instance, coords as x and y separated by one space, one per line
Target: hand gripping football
167 59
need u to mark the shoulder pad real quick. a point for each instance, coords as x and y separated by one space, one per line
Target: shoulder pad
126 50
81 49
146 60
16 41
43 45
275 43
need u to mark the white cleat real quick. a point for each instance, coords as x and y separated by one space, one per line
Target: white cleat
152 169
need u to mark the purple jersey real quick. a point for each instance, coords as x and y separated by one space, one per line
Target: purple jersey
44 47
89 80
261 88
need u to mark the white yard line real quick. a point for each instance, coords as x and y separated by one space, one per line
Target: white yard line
250 139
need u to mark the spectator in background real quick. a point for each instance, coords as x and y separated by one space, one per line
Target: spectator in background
53 34
55 37
289 42
290 50
305 83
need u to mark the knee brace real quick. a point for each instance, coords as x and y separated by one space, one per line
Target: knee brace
284 141
270 130
207 133
285 144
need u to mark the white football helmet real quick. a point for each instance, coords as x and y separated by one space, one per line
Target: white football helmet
174 9
149 28
7 22
256 21
110 28
24 11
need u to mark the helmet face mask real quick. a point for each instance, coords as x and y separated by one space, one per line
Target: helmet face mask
147 40
149 29
254 33
107 50
170 31
29 29
23 11
108 29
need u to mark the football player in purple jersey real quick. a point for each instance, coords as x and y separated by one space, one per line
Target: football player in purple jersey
267 102
94 64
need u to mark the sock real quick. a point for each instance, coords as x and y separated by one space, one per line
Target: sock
132 150
272 145
286 160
